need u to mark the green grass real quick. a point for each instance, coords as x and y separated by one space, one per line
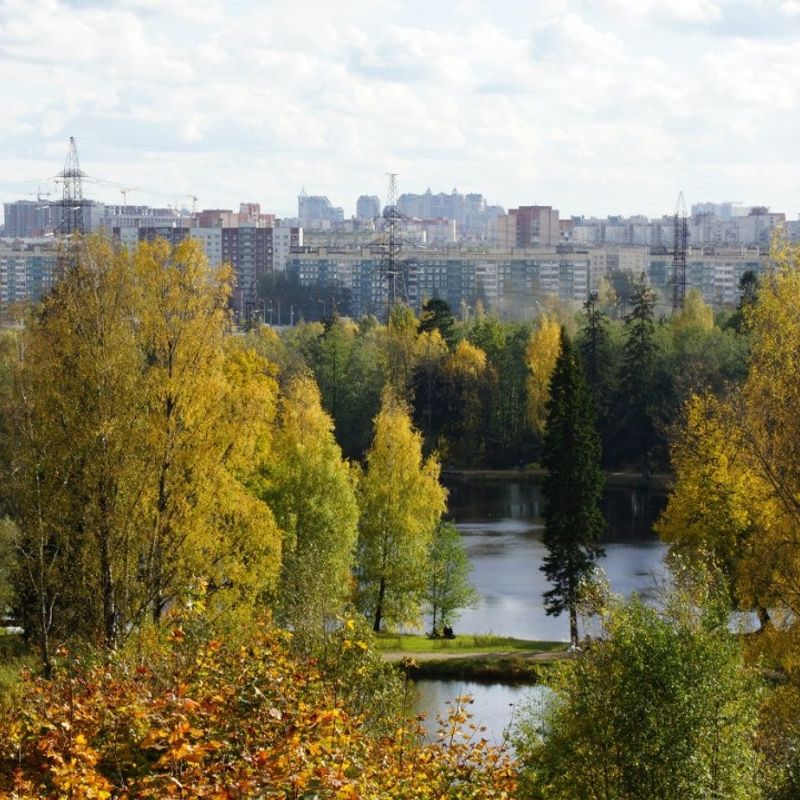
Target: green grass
513 670
465 643
14 656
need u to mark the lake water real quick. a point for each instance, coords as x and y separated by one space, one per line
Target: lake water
493 707
502 527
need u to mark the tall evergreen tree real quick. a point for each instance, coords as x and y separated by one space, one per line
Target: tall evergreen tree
572 488
437 316
635 432
594 345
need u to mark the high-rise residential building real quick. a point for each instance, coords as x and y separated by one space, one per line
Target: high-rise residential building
529 226
32 218
27 269
368 207
251 249
721 210
27 218
471 212
316 211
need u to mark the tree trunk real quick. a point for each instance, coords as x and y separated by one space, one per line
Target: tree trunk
573 626
109 600
44 639
379 608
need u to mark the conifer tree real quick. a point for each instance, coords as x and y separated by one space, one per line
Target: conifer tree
594 345
635 432
572 488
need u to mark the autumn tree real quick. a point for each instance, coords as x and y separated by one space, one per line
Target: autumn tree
430 409
312 494
72 438
540 356
208 409
747 460
468 380
449 588
713 515
399 351
659 706
571 488
132 425
401 503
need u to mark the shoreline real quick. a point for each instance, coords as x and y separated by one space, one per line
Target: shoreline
658 482
510 669
479 659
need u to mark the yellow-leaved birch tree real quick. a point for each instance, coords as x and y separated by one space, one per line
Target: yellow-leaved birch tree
312 492
541 354
401 503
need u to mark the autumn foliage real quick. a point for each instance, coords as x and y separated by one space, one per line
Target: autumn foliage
203 718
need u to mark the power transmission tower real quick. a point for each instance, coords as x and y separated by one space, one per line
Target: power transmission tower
71 177
391 245
681 244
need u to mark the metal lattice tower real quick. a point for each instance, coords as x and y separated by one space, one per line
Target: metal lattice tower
391 246
681 245
72 219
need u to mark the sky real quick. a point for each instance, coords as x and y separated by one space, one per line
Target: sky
595 107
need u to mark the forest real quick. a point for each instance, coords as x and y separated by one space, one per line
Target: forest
204 529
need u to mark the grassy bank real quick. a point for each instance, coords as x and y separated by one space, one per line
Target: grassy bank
501 668
482 659
462 644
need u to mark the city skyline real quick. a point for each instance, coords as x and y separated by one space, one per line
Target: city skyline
593 108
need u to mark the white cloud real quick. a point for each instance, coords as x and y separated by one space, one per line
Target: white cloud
692 11
598 105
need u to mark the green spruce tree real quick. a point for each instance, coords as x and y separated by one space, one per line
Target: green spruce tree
572 488
635 433
594 344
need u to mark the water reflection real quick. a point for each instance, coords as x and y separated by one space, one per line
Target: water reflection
494 707
502 526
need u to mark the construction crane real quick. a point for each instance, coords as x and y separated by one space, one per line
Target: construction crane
39 195
193 198
124 192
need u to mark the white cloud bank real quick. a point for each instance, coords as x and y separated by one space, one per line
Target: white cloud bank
596 107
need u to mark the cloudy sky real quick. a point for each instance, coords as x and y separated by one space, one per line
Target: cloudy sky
593 106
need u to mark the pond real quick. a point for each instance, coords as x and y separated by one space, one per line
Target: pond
493 707
502 526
